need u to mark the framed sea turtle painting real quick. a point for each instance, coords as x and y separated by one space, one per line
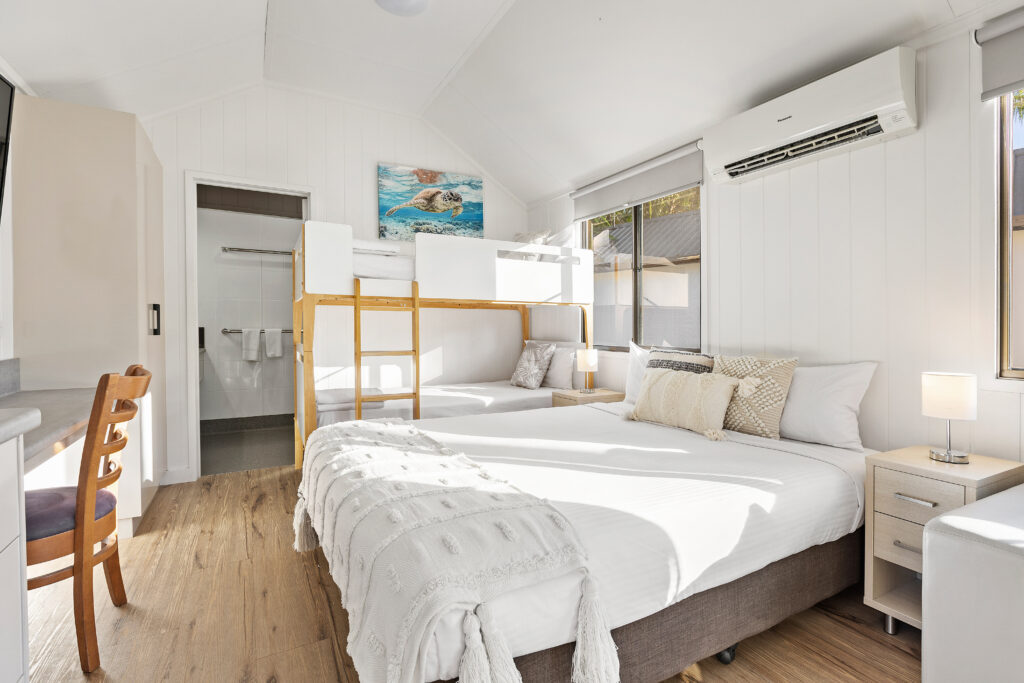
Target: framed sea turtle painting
411 200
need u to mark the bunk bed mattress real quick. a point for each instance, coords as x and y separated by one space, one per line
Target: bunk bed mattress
664 513
383 266
453 400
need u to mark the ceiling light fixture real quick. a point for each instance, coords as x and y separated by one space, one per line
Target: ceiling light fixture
404 8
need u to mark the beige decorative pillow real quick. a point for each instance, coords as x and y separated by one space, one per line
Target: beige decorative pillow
696 402
760 412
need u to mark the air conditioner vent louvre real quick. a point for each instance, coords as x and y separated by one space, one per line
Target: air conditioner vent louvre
842 135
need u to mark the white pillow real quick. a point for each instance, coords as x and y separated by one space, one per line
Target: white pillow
635 375
561 368
823 405
577 380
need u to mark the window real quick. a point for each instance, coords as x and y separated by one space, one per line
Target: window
647 273
1011 235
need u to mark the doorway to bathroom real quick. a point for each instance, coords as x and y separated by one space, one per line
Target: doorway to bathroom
244 240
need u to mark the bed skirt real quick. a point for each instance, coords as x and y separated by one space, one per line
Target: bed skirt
662 645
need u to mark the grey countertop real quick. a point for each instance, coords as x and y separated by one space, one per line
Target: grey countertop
61 418
16 421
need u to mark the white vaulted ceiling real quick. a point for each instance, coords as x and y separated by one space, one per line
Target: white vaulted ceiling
545 94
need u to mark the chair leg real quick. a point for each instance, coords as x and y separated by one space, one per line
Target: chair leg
85 620
115 584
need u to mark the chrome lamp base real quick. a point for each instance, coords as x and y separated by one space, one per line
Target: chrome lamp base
947 454
952 457
586 390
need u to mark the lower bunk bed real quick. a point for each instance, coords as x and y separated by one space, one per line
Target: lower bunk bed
436 401
693 544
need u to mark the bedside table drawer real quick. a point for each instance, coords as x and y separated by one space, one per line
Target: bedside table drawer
899 541
914 498
561 402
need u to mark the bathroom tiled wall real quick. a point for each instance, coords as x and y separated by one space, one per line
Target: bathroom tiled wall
238 290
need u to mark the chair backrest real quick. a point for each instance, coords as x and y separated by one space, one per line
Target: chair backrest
114 404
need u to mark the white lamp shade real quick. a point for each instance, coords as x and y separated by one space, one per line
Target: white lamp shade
949 395
586 360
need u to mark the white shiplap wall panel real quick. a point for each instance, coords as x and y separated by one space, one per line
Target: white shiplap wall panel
869 324
278 135
803 250
752 267
234 135
905 274
730 283
777 321
890 256
834 292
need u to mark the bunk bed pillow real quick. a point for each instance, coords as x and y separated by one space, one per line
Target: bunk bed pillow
759 411
533 365
694 401
563 364
638 357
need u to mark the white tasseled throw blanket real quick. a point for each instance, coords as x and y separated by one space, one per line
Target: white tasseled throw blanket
412 530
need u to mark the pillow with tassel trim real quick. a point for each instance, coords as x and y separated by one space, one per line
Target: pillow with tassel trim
695 402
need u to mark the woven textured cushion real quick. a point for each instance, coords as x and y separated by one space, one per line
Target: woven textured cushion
533 365
760 412
49 512
683 361
693 401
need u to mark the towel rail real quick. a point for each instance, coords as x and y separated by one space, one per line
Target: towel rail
244 250
225 330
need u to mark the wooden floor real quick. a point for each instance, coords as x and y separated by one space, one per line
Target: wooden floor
216 593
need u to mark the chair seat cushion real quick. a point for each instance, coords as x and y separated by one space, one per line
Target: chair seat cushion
49 512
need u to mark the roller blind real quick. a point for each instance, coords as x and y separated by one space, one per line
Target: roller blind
635 188
1002 55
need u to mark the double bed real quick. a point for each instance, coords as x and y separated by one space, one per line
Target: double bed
695 544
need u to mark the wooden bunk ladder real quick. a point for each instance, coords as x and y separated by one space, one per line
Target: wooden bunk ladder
411 305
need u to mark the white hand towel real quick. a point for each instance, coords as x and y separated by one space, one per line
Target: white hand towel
272 340
250 344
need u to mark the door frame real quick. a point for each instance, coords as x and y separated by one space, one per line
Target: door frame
188 336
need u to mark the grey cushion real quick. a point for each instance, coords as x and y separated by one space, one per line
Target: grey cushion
49 512
533 365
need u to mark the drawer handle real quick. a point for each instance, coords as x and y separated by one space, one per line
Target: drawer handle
900 544
916 501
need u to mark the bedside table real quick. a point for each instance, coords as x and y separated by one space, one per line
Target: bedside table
903 489
576 397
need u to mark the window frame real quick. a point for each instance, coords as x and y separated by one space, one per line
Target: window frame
637 268
1005 170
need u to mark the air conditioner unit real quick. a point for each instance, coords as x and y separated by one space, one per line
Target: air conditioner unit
868 102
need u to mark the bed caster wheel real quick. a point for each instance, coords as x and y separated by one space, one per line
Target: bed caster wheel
727 655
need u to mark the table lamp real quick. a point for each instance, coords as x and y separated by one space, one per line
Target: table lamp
586 361
949 396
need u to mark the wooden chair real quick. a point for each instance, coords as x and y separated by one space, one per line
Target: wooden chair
71 520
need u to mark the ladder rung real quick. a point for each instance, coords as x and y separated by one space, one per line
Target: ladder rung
385 397
387 353
396 309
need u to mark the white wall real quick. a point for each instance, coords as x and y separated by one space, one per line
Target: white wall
886 253
277 135
239 290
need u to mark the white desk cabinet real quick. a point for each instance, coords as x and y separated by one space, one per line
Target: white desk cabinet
13 593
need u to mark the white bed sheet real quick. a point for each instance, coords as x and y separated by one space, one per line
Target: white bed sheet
664 513
452 400
383 267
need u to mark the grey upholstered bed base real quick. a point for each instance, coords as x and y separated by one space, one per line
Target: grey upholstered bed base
664 644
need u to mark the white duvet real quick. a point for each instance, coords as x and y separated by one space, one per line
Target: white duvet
663 513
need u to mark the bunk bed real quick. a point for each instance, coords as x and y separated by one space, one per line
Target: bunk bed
331 268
